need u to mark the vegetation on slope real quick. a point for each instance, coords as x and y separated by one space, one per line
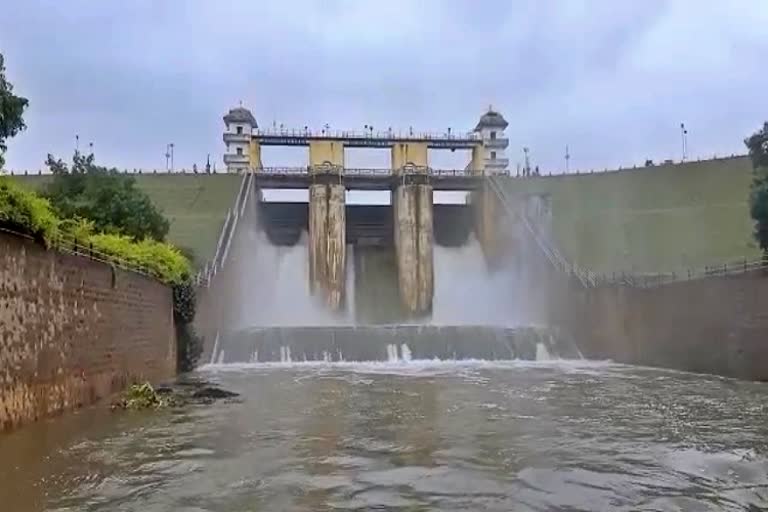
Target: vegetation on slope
758 200
110 200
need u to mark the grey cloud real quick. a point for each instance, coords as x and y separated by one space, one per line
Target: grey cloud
611 79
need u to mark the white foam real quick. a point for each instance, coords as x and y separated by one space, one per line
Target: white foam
414 367
542 354
215 348
406 351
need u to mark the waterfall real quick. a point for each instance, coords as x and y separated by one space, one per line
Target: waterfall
467 293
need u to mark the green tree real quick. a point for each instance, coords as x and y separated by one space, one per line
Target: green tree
11 110
104 196
758 200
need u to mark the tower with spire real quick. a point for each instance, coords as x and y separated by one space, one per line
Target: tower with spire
239 125
494 151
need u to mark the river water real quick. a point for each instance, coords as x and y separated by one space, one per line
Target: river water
409 435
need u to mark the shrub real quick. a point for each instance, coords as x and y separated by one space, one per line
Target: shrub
109 199
157 258
77 229
24 211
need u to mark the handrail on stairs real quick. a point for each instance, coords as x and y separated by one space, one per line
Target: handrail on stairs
204 277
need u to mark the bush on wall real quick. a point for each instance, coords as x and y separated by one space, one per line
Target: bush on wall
26 212
156 258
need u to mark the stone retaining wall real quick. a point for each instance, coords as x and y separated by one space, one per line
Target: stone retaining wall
73 330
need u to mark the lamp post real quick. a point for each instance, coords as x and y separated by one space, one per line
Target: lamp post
527 168
684 137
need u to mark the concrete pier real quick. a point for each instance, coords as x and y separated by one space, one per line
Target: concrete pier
487 211
327 244
413 228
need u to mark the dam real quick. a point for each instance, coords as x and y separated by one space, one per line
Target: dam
410 224
518 383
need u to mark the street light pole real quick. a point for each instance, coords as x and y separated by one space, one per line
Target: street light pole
171 144
684 137
567 158
527 168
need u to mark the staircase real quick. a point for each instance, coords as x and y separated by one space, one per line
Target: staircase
205 276
584 277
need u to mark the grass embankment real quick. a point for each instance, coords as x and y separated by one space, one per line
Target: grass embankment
24 211
657 219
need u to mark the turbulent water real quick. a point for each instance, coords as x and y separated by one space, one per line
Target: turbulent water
409 435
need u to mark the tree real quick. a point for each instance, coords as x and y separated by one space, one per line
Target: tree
758 199
109 199
11 110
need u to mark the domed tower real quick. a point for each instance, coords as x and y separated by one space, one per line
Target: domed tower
494 152
240 124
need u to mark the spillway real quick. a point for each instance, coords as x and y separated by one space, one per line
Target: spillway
391 343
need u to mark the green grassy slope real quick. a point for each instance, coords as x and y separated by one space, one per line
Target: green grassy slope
195 205
658 219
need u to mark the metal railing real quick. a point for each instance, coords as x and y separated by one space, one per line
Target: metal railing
352 134
70 245
650 280
205 275
364 171
553 256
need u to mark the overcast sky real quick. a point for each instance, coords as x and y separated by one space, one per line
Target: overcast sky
612 79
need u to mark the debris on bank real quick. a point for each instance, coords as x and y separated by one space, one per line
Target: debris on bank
145 396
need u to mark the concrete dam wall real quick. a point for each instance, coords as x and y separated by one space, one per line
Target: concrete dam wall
75 330
716 325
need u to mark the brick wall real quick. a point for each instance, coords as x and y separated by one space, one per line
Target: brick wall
73 330
716 325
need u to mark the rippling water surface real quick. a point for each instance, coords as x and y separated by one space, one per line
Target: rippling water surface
410 436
